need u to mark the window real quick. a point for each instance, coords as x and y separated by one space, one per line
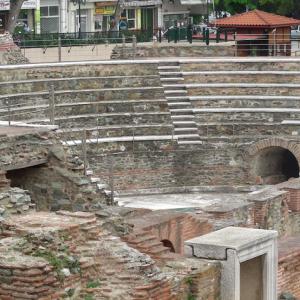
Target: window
130 16
49 19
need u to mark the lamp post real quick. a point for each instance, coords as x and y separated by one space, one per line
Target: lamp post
79 2
207 10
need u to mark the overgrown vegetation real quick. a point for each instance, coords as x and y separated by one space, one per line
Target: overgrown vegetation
189 282
60 261
93 284
283 7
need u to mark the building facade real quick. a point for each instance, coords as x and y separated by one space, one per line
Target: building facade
52 16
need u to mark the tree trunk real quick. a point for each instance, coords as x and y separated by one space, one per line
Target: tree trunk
15 7
117 15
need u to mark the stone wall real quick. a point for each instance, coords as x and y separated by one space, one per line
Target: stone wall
173 50
153 164
33 159
81 69
10 54
222 158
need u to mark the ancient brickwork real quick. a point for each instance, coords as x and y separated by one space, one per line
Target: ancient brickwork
52 256
151 229
164 164
289 266
271 210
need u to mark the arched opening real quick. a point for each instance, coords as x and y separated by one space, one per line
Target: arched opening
275 164
169 245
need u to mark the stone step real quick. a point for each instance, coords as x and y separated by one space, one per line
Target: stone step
187 136
168 63
171 79
249 110
150 244
181 110
178 98
141 239
172 86
184 124
185 129
182 117
95 179
171 74
190 142
89 172
102 186
181 104
157 251
166 67
175 92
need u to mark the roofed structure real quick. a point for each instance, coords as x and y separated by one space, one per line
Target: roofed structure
256 18
260 33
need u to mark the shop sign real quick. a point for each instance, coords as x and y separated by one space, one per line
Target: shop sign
29 4
142 3
106 10
105 3
4 4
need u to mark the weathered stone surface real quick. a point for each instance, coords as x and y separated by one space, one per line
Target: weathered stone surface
173 50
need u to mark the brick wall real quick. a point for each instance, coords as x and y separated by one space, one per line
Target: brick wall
289 266
164 165
271 210
294 200
174 227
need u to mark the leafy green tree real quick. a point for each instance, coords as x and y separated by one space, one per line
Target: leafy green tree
282 7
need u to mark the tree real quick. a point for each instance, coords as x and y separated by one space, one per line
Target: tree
282 7
15 8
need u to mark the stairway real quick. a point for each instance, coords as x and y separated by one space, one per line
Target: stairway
146 242
183 119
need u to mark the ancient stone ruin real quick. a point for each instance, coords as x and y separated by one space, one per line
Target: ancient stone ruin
156 179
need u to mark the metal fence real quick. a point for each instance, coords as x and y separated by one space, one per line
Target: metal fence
85 38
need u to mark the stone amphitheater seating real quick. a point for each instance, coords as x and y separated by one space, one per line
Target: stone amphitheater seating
198 98
237 96
108 101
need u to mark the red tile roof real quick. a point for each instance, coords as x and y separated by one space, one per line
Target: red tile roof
256 18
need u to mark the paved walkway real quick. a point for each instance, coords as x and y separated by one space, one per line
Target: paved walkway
186 200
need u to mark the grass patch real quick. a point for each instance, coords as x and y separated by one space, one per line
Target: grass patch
93 284
60 261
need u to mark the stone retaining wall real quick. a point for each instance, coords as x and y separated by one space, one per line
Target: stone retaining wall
173 50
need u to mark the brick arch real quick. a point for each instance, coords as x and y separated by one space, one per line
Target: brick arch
292 146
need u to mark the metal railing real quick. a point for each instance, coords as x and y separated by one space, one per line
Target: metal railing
75 49
86 38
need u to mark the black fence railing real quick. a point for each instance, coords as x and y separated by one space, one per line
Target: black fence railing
72 39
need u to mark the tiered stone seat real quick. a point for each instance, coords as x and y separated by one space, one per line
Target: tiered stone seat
101 96
243 96
240 64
